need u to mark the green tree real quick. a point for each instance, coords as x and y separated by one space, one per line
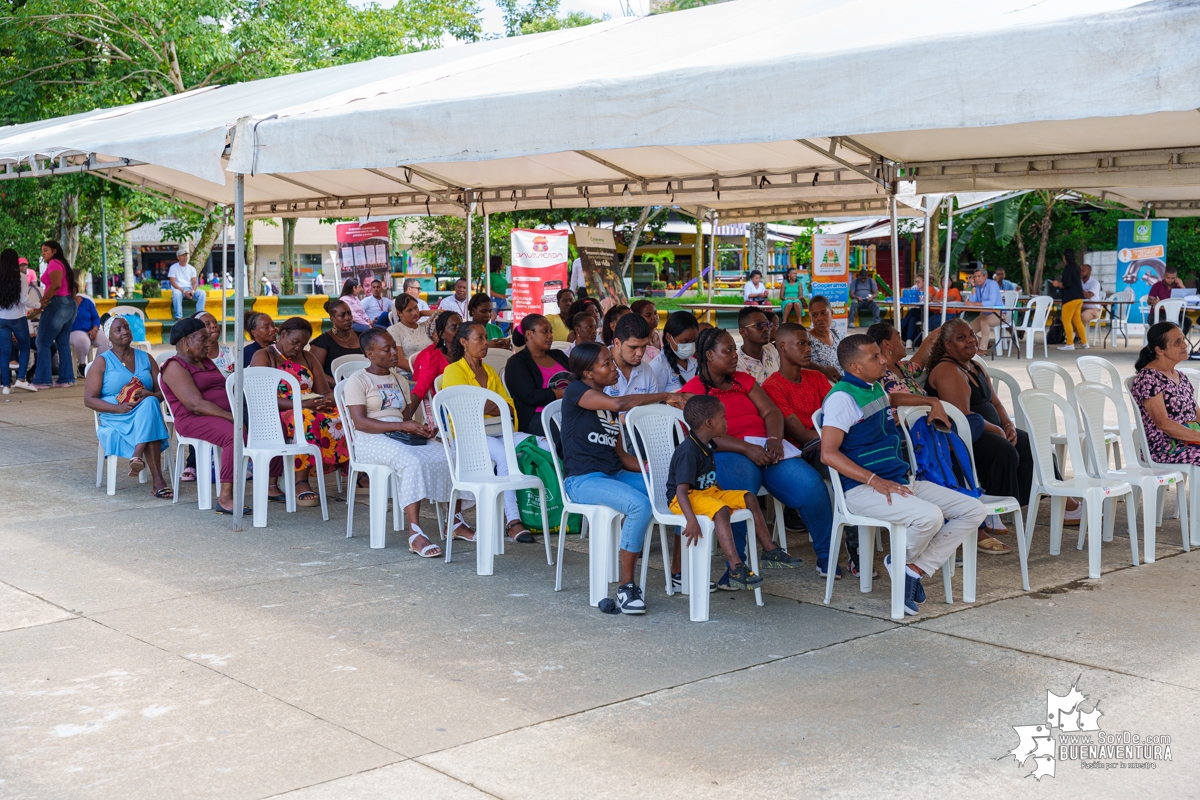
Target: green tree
538 16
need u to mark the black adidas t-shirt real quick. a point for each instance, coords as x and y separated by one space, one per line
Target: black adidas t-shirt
692 463
589 438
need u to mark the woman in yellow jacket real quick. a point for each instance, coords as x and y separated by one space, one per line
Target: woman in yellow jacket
466 353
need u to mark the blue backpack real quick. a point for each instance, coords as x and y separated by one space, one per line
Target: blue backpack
942 458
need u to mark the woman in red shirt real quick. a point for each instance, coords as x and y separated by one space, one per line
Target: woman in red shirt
751 454
432 361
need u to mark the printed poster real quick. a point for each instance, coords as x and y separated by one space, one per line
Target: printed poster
1141 258
601 273
363 247
831 275
539 270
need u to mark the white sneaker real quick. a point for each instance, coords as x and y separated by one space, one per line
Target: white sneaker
1066 347
6 390
26 385
1086 346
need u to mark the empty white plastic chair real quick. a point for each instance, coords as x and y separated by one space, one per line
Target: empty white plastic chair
1046 375
1093 397
603 524
265 439
655 432
1001 378
1034 324
458 411
343 367
1039 408
497 358
1192 375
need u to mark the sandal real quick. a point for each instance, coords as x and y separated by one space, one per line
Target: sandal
220 510
523 535
307 499
993 547
994 525
136 465
277 498
165 493
430 550
459 522
188 475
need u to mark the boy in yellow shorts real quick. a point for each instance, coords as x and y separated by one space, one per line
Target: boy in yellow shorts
692 490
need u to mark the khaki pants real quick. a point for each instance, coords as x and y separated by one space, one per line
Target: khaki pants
938 519
1087 315
983 326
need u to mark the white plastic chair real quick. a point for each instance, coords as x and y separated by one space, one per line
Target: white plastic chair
1008 298
1147 481
208 459
898 535
265 439
1190 471
458 411
657 429
344 366
1112 317
1173 309
1000 377
1192 375
382 479
1039 408
104 462
139 344
1034 323
603 523
1097 369
1045 375
497 358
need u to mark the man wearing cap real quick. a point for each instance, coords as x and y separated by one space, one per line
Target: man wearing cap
184 283
31 276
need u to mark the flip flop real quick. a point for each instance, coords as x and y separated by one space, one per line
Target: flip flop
427 550
245 510
188 475
136 465
307 499
277 498
165 493
523 536
993 547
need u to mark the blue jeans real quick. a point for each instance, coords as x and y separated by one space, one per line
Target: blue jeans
625 492
793 482
54 330
358 327
10 328
177 302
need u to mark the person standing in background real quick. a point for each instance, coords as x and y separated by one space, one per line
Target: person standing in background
15 300
184 283
1071 283
57 315
86 332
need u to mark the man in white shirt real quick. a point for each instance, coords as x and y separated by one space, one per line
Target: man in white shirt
1091 291
412 287
457 302
577 278
375 303
319 284
634 375
184 283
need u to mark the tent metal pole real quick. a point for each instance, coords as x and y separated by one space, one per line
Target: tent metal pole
487 257
239 336
712 275
949 236
895 262
224 271
925 254
103 248
470 213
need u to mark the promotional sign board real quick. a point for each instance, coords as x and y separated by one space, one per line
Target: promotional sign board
1141 257
601 270
363 250
831 274
539 270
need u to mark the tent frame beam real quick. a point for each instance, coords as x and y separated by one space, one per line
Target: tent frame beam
1098 163
868 172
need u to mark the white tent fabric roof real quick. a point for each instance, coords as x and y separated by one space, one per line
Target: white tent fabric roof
733 107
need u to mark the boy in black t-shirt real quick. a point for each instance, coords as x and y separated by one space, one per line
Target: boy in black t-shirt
692 490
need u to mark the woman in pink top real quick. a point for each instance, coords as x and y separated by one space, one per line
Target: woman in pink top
352 290
55 319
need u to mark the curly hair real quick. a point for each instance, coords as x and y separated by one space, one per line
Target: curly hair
705 342
610 322
457 347
938 351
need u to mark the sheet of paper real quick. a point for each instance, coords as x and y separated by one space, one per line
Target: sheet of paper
789 449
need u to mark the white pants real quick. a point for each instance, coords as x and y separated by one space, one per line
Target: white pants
938 519
983 326
81 344
500 461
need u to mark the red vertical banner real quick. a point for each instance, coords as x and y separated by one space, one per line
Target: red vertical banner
539 270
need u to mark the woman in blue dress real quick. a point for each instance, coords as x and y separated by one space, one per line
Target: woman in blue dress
126 428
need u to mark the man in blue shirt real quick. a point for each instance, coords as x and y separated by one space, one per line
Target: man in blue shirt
862 298
986 294
1005 285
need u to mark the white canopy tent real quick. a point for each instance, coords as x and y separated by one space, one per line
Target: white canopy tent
750 110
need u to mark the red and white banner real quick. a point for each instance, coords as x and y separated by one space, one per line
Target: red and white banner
363 250
539 270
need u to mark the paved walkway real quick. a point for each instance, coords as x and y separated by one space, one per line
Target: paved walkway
146 650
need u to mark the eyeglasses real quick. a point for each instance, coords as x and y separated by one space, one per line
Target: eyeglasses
762 326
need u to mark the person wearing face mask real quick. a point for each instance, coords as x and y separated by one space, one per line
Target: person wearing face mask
675 365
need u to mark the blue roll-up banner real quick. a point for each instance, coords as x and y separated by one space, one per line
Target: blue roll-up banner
1141 258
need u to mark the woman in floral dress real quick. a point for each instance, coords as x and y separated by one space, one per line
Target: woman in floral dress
1165 397
322 426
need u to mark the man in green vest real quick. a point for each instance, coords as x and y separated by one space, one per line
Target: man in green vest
860 440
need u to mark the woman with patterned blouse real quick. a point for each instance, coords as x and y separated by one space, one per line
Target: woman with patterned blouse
902 375
824 338
1165 397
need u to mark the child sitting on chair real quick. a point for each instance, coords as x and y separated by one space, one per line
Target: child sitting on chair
692 489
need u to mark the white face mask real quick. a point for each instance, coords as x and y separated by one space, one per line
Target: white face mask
685 350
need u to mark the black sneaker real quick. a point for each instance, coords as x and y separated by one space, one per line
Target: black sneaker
677 584
792 520
742 577
778 559
629 599
852 564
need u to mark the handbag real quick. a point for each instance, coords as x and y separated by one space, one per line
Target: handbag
126 394
410 439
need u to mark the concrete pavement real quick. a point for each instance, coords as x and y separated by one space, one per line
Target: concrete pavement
147 650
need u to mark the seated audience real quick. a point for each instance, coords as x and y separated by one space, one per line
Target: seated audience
195 390
411 336
751 454
754 292
352 292
824 338
221 354
676 364
432 361
648 311
536 375
585 324
480 309
634 375
609 325
261 329
1165 397
902 375
375 402
757 356
122 386
377 304
561 322
692 489
596 468
321 424
791 296
340 340
861 441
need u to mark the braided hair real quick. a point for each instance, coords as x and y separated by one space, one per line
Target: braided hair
439 331
705 343
678 322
